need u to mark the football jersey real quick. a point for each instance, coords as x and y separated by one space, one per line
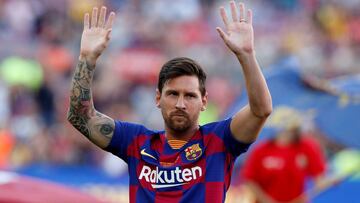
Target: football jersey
200 171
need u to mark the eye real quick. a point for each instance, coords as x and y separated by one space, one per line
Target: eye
191 96
172 93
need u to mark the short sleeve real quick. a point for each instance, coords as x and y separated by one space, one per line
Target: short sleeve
234 146
124 134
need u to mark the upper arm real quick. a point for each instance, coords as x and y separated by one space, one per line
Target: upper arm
245 125
97 127
101 129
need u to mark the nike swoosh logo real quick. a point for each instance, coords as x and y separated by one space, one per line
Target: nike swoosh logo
142 152
156 186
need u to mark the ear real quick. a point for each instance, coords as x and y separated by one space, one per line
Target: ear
157 98
204 101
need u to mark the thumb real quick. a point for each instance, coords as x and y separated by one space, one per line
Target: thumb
108 32
222 34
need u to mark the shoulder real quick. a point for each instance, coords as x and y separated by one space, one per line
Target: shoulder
309 142
133 128
219 134
311 147
127 138
217 127
262 146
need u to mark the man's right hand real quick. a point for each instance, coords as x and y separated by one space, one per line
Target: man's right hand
96 35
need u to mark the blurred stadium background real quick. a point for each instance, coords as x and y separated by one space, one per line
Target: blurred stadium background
309 51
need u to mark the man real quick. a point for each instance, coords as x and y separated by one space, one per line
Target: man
185 162
276 169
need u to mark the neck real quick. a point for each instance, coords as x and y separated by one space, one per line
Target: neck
281 143
184 135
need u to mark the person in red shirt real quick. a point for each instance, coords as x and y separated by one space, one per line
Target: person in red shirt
276 170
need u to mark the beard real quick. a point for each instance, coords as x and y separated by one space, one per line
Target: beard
178 121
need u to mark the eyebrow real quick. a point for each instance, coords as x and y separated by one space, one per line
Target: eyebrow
171 91
177 91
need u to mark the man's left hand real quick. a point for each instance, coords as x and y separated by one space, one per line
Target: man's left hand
239 35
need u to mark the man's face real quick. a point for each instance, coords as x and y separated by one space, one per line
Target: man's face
181 102
289 136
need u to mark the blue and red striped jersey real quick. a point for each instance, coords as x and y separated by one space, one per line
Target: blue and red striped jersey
200 171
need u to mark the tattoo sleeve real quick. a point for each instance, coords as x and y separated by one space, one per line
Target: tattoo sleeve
82 114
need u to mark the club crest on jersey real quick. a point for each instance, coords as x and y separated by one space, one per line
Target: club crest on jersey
193 152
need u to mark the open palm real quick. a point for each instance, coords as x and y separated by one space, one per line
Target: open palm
239 33
96 35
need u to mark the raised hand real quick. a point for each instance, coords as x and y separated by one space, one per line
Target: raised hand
239 33
96 35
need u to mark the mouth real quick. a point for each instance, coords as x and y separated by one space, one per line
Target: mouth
178 115
183 115
179 120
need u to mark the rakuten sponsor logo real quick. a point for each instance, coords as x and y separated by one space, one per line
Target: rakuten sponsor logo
169 178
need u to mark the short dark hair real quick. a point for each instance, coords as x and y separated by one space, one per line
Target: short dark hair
182 66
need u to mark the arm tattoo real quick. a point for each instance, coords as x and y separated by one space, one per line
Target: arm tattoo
82 115
79 122
106 129
81 103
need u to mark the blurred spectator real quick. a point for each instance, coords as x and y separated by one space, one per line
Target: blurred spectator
45 102
276 170
6 146
4 104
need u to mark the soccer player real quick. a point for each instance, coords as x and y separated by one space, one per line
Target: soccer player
185 162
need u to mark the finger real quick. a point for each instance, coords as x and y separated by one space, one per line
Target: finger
223 16
221 33
86 21
94 17
110 21
108 32
242 12
233 11
101 22
249 16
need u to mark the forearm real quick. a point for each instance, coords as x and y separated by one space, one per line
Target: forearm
258 93
323 182
81 103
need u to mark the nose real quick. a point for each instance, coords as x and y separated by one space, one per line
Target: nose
180 104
